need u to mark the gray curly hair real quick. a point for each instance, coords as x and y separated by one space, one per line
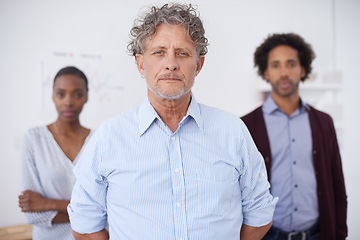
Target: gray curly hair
175 14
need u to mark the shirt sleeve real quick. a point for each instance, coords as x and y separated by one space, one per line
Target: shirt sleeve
87 208
258 203
30 181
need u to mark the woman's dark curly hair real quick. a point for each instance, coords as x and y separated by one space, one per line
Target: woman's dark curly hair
177 14
305 52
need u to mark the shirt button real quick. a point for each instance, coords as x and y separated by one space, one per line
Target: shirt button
177 170
295 209
173 138
178 205
296 185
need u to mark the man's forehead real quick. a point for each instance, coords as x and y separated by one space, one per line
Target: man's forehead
283 53
169 35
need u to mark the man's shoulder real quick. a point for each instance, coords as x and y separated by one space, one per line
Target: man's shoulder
122 120
322 116
218 120
251 116
214 113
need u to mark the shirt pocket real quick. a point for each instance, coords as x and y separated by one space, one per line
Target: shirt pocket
215 188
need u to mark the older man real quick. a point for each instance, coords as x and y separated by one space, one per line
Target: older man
171 168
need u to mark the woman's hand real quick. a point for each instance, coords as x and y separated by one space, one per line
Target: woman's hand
30 201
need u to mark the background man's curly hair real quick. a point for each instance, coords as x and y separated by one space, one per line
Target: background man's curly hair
175 14
305 52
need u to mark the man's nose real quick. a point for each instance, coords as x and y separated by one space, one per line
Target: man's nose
171 62
284 71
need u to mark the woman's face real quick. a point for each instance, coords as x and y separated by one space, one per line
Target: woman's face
69 96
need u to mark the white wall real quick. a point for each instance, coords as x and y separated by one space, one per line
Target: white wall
228 80
348 52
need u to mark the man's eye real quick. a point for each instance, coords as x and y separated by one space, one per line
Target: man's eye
60 94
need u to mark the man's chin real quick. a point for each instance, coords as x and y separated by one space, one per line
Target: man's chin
170 96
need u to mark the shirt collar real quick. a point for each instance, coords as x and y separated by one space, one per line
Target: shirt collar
195 112
147 115
270 106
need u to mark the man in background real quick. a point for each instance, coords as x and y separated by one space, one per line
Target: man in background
299 146
171 168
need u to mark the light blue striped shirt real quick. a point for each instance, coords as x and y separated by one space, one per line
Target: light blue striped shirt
201 182
292 169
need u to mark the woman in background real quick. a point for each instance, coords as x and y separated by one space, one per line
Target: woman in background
49 155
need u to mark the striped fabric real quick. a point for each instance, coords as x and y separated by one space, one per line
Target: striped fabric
46 169
201 182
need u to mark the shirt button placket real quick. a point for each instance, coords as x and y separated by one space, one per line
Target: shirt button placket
178 187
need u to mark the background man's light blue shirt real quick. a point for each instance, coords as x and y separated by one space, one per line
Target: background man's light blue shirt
292 169
201 182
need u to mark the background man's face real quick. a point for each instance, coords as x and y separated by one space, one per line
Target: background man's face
284 70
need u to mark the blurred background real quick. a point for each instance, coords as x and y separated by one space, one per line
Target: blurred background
38 37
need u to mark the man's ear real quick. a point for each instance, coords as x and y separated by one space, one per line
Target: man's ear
199 64
266 75
303 72
140 63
